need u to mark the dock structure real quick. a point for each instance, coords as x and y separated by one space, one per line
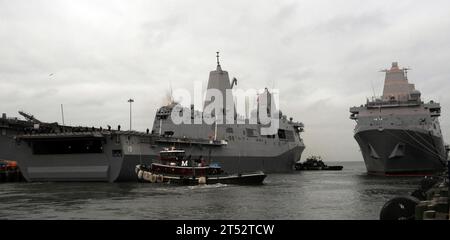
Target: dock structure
436 204
428 202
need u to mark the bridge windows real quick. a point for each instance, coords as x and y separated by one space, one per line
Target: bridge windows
162 117
286 135
290 136
168 133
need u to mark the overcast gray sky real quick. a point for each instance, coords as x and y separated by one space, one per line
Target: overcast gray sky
324 56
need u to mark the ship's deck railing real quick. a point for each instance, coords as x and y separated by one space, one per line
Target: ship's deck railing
104 133
386 104
60 135
191 141
12 120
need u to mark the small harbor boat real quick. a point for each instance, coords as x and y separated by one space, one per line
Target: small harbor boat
316 163
9 171
174 167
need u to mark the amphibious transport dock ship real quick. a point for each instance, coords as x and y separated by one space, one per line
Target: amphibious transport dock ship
399 134
109 155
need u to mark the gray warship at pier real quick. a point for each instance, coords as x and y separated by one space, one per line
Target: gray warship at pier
399 134
112 155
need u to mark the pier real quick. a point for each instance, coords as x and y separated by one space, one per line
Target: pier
428 202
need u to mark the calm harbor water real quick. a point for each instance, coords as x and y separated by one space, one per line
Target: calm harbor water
347 194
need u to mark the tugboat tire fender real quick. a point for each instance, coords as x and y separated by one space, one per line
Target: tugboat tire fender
136 170
202 180
399 208
159 178
152 178
146 176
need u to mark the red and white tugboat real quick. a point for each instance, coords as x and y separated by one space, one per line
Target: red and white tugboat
175 167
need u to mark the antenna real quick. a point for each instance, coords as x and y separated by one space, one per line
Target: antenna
62 116
217 56
171 91
215 128
234 82
373 90
405 70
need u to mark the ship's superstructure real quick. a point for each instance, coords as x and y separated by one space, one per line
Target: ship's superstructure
244 148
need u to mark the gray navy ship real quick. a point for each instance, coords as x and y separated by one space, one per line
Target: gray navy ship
399 134
112 155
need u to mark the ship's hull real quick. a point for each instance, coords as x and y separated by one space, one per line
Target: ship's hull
99 168
401 152
256 178
118 160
